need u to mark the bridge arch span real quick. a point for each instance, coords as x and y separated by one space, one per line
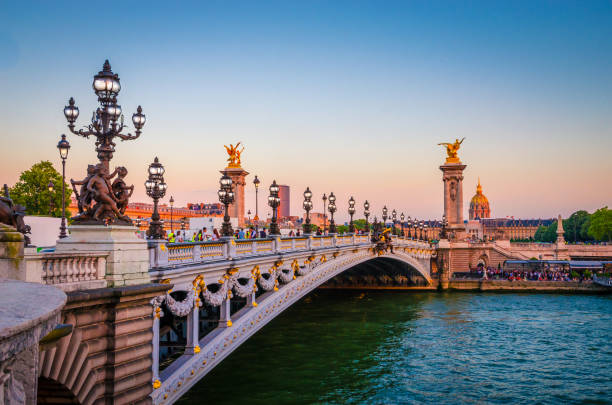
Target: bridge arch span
186 371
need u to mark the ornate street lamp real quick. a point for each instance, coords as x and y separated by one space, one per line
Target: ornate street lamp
63 146
106 125
384 215
138 221
332 208
156 189
183 223
324 214
394 218
171 214
420 229
351 211
444 225
256 218
107 120
226 197
402 217
307 207
50 186
409 226
366 213
426 232
415 227
274 202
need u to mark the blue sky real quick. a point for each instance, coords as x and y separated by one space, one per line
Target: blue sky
350 97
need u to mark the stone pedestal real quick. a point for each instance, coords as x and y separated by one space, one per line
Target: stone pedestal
238 175
443 263
128 256
452 176
28 312
12 264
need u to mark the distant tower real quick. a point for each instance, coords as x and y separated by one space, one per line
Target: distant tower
561 250
285 201
560 231
479 206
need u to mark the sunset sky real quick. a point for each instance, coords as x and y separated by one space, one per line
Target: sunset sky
350 97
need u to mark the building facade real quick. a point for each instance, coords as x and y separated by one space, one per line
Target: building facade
285 200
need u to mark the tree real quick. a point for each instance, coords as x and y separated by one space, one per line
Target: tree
32 190
546 233
600 224
576 227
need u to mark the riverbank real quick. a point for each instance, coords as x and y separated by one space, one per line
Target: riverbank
572 287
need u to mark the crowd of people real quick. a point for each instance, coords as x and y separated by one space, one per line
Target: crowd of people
531 275
203 234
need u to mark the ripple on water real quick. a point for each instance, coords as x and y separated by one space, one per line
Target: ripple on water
406 348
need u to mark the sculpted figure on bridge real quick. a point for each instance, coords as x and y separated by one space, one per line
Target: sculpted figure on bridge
451 150
234 154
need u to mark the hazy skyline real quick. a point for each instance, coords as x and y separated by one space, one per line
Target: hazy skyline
350 97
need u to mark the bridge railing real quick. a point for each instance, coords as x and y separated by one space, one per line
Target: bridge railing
67 271
164 254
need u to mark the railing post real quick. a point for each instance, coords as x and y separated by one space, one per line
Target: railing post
276 247
229 250
197 252
293 244
155 354
353 239
309 242
158 253
334 240
193 323
225 320
254 246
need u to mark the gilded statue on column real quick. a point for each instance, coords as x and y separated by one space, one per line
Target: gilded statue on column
451 150
234 154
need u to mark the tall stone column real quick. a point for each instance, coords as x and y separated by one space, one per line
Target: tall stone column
238 175
452 176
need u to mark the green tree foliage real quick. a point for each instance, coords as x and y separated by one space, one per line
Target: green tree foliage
577 227
33 193
600 224
546 233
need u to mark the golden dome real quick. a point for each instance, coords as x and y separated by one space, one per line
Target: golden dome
479 205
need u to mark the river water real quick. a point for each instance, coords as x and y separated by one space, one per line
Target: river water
401 348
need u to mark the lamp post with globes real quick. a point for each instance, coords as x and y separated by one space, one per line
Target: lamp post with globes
402 217
156 189
226 197
366 213
63 146
351 211
307 207
332 208
384 215
183 223
394 219
107 120
274 202
324 214
426 232
443 230
50 187
421 230
415 226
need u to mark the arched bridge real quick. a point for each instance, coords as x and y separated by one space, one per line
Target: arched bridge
232 289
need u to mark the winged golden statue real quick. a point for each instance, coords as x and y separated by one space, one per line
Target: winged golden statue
451 150
234 154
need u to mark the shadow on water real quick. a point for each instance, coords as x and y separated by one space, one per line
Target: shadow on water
396 347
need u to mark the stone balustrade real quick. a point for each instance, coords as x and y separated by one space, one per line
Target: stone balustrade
67 271
168 255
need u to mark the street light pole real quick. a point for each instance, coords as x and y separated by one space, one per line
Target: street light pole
324 214
50 186
226 197
351 211
332 208
366 213
156 189
63 146
256 219
307 207
274 202
171 214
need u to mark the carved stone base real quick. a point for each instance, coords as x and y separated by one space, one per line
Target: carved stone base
128 259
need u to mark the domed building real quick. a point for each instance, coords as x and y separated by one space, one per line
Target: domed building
479 206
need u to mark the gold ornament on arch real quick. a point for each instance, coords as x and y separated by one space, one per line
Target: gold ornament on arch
451 150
